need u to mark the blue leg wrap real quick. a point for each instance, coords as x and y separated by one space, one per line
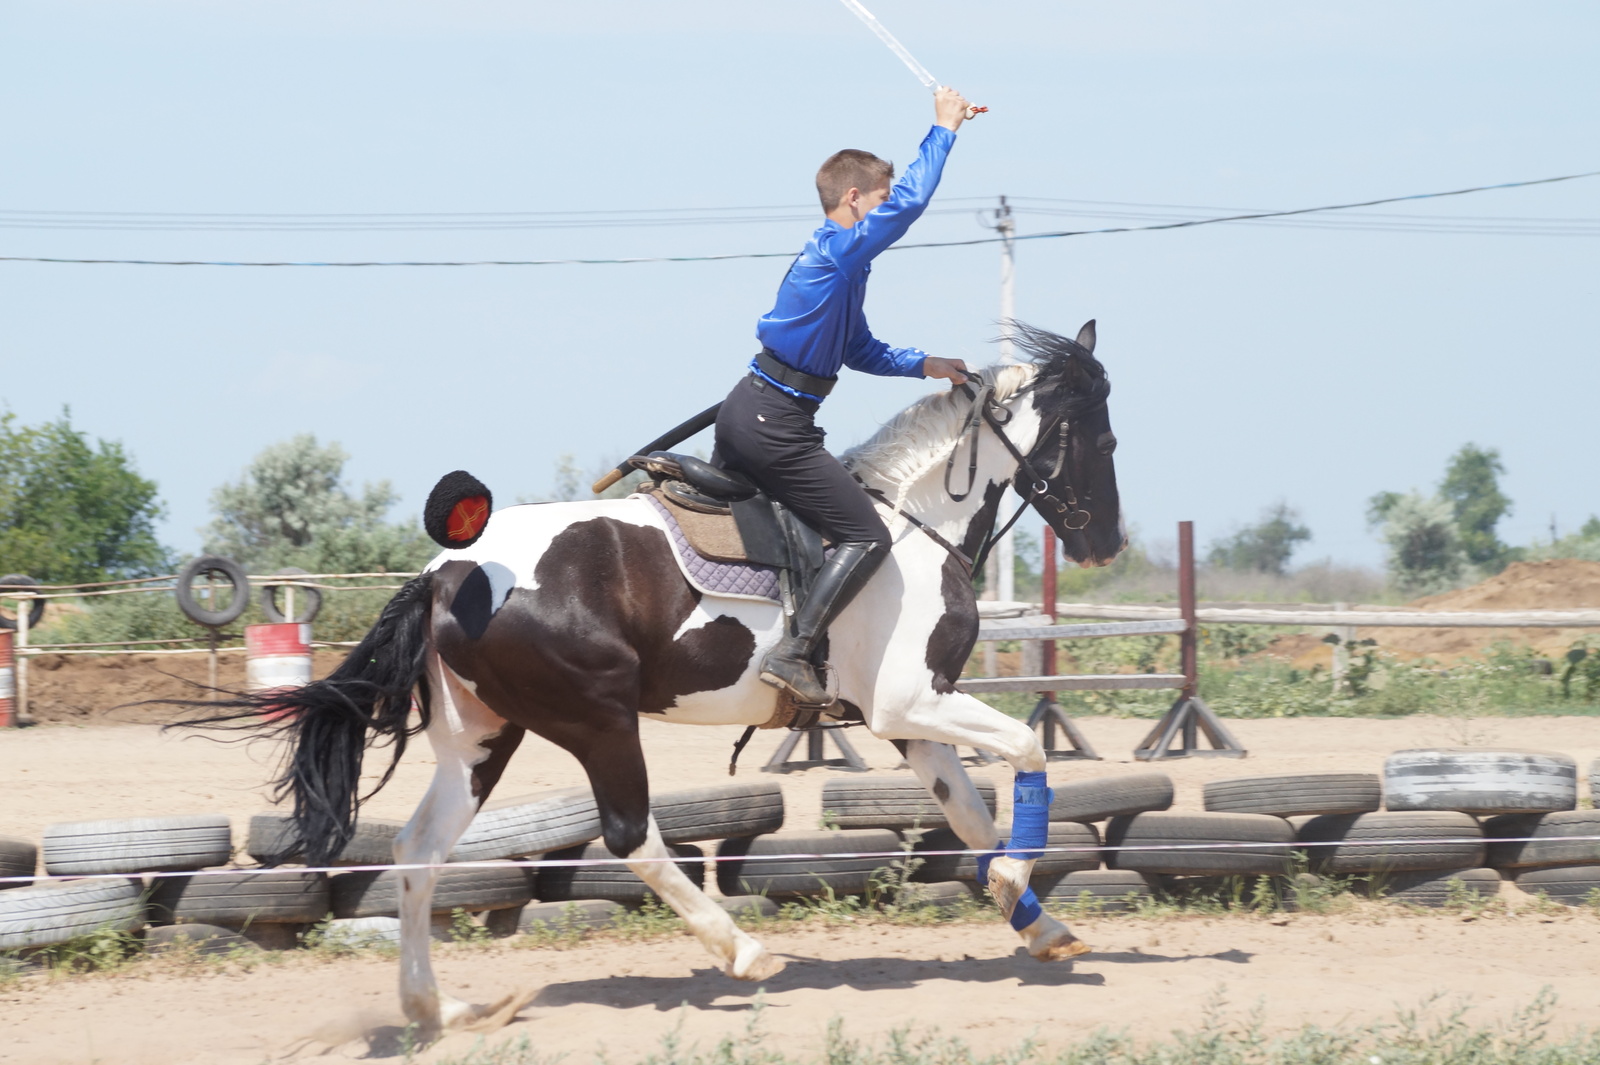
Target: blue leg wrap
1030 818
1027 911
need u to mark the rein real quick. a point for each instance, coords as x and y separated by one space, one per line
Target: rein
1038 495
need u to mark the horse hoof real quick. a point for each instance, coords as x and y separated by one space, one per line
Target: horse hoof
1064 947
754 965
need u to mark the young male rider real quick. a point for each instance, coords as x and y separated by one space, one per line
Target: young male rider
766 428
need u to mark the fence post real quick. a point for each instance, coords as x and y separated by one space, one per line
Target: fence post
1189 715
24 609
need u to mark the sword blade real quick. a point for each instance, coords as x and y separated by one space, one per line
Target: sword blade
928 80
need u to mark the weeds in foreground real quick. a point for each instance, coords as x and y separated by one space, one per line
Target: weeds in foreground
1428 1034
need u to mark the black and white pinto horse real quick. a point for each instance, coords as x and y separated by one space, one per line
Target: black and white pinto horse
571 620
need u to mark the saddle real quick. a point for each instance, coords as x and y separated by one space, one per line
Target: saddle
727 518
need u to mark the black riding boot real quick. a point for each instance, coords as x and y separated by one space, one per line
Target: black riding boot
789 665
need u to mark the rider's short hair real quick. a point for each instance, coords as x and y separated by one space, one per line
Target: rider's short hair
851 169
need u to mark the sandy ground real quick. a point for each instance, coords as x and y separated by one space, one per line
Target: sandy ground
966 979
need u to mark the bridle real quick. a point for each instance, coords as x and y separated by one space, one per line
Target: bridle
1034 487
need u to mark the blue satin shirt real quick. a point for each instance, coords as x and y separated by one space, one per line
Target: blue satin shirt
818 323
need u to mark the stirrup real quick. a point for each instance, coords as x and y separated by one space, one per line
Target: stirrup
825 675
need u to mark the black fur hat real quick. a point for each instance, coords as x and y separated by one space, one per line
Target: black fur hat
458 510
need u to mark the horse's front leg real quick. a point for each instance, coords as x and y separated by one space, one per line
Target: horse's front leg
621 790
936 727
471 744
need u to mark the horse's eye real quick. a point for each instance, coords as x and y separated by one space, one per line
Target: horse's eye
1107 442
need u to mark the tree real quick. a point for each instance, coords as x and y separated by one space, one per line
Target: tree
1264 547
1471 486
292 508
73 512
1425 551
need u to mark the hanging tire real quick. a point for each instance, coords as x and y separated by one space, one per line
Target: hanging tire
305 615
936 868
377 894
615 882
1424 840
1269 853
35 609
1435 889
140 845
18 857
1546 845
529 824
226 568
1571 885
888 802
1106 890
54 913
285 896
723 811
1096 800
1294 796
1480 781
827 861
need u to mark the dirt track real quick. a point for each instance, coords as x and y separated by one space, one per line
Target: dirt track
966 979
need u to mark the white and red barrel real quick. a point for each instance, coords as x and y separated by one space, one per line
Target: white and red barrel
8 681
277 656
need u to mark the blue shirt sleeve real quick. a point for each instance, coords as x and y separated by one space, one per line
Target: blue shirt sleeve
851 249
871 355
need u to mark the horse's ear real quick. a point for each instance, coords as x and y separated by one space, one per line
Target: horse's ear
1086 335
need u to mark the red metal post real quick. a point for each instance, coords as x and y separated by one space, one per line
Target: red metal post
1047 596
1186 607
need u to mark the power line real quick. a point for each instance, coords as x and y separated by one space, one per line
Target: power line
1251 216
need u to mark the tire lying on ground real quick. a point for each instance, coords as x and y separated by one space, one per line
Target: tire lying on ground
723 811
1573 885
270 838
529 824
1433 888
1425 840
1109 890
1545 847
888 802
940 867
202 938
1292 796
613 881
139 845
18 857
377 894
1096 800
285 896
1270 840
1477 780
54 913
828 861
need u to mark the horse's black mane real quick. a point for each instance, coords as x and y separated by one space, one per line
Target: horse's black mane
1057 357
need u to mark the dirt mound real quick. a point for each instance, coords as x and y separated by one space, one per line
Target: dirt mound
85 688
1559 584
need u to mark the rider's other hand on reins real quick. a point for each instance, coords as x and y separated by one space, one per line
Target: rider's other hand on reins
952 370
949 108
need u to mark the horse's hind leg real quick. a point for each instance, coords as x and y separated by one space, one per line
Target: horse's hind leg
939 768
471 744
617 774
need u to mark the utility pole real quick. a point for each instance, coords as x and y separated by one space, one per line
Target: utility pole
1006 550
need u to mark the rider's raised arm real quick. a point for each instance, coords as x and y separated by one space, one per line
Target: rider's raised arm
851 249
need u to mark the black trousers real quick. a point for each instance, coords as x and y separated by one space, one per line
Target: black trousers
772 438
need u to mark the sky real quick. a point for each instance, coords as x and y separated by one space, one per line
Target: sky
1251 363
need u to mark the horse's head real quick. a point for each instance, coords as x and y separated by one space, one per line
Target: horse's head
1073 455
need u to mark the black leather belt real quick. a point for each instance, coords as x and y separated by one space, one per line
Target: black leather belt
789 377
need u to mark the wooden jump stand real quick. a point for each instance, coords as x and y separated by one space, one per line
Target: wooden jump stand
782 760
1189 715
1047 714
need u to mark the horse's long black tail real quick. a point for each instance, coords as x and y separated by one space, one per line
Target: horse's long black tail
330 723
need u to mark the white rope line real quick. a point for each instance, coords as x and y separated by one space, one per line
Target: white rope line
567 863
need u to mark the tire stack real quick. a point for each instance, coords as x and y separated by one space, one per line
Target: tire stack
1527 847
